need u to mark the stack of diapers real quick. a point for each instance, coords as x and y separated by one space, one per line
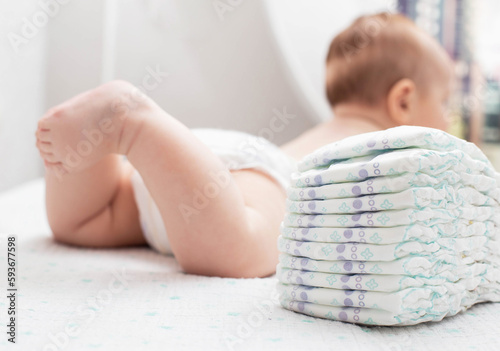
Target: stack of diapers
395 227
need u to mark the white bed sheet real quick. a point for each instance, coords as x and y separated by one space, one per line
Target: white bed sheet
160 308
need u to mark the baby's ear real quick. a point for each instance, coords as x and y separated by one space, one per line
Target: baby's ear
401 102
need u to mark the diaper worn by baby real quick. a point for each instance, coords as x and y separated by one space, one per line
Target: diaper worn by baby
237 151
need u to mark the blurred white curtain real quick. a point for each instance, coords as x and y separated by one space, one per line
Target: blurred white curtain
307 28
216 66
22 71
237 64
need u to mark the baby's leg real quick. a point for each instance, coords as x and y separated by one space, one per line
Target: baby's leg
94 207
219 222
232 234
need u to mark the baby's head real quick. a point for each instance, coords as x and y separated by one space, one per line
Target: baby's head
386 62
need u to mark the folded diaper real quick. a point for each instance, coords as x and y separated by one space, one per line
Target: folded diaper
403 137
406 307
426 216
475 247
416 198
397 183
393 163
378 282
396 302
413 265
391 235
396 227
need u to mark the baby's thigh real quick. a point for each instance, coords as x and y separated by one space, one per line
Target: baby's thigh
126 225
262 193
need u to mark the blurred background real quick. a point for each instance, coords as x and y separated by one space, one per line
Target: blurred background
226 63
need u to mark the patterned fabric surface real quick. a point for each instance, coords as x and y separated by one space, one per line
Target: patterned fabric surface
135 299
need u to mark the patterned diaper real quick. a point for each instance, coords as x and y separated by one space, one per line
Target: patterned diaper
412 265
475 247
393 163
397 183
404 137
391 235
396 227
237 150
384 218
416 198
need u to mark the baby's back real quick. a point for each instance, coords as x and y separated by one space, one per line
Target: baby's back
323 134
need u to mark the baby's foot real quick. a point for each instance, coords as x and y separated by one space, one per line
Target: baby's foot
76 134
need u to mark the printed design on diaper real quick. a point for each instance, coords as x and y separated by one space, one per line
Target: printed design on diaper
396 227
390 139
393 163
426 216
395 184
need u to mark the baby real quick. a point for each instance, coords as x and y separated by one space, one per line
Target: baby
381 72
219 196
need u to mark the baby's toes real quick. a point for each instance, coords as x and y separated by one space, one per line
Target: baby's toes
49 157
43 135
44 146
50 119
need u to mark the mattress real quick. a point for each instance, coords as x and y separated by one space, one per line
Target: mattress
75 298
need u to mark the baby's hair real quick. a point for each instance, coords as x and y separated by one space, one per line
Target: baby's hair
367 58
